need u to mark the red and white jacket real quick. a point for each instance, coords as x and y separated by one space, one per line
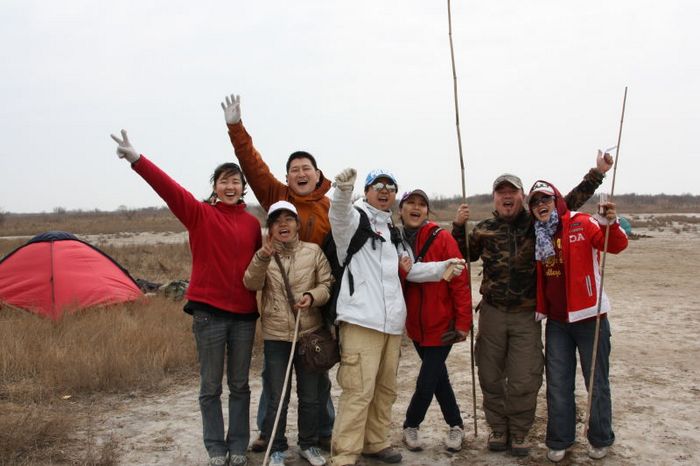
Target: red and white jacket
582 240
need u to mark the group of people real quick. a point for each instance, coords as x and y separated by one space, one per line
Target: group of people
538 262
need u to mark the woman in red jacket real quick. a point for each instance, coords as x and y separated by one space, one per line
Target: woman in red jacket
434 310
568 289
223 239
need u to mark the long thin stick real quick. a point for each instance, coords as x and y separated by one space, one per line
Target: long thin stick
464 200
602 278
285 386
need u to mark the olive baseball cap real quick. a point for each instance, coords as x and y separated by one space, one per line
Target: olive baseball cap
508 178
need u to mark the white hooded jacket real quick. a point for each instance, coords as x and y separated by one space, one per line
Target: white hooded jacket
377 302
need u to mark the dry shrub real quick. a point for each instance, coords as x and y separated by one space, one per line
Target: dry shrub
159 262
117 348
33 433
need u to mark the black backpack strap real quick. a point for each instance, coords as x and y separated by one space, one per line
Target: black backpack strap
427 244
362 234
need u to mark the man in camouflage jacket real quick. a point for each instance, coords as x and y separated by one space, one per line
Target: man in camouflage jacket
509 341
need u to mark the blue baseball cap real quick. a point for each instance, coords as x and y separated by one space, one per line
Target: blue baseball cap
379 173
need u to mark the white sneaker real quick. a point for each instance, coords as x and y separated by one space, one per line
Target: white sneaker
597 453
276 459
217 461
411 437
454 439
313 456
555 456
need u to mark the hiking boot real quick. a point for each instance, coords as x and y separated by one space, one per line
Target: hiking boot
411 437
454 439
217 461
259 444
387 455
324 442
597 453
519 445
313 456
555 456
237 460
276 458
498 441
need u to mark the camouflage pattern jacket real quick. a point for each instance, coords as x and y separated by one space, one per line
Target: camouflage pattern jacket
507 250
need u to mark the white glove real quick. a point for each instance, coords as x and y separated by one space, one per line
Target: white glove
232 109
125 150
345 180
453 268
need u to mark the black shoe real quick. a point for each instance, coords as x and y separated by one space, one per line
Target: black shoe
259 444
387 455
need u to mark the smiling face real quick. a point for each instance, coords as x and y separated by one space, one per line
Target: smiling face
229 188
414 211
284 228
508 200
541 206
384 198
302 177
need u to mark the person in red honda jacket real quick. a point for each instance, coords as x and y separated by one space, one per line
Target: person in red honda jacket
223 239
438 315
567 251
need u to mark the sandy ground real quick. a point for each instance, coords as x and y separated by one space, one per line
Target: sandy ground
654 367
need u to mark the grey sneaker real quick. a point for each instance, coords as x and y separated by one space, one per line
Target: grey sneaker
237 460
519 445
217 461
276 459
597 453
555 456
454 439
498 441
313 456
411 437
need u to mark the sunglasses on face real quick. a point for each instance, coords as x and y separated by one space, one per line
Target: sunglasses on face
379 186
541 200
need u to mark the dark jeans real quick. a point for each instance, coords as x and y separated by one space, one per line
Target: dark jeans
562 340
220 339
433 379
276 357
326 411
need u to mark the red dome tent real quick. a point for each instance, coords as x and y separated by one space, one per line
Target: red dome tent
56 272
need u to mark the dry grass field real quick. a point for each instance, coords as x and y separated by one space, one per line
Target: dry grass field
118 385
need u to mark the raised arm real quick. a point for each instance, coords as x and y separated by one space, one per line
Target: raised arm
342 215
180 201
458 233
594 178
265 186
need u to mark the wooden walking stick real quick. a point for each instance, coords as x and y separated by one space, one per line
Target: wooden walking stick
285 387
464 200
602 278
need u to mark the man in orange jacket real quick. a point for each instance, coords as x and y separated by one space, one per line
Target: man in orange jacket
306 189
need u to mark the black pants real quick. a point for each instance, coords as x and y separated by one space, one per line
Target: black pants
433 379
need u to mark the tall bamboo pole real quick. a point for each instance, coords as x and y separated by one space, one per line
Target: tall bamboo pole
602 277
464 200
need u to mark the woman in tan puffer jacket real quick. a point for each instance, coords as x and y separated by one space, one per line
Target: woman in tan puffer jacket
310 279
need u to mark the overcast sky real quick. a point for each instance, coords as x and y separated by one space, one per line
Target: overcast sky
365 83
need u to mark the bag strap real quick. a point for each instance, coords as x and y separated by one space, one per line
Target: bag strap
427 244
287 286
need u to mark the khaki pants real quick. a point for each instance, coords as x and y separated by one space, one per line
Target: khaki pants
367 377
510 359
